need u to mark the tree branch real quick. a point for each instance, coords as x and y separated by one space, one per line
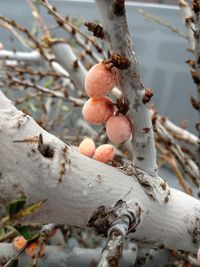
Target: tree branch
116 30
91 193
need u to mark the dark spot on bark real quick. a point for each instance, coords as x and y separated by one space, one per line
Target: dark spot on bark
166 199
195 103
96 29
140 158
148 93
101 220
99 178
119 7
103 217
45 149
196 6
146 130
196 77
75 64
163 185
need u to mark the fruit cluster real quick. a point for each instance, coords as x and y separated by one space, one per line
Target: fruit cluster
99 109
103 153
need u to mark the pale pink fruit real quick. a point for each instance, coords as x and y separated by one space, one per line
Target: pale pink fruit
99 81
1 46
104 153
97 110
87 147
118 129
198 256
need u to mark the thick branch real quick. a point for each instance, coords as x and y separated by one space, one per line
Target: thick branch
90 193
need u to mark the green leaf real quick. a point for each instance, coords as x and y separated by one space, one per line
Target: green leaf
15 206
13 263
28 232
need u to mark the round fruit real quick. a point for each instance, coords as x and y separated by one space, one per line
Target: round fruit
118 129
87 147
104 153
99 81
97 110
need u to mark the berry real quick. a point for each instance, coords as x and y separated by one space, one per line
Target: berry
30 250
104 153
87 147
99 81
97 110
118 129
19 242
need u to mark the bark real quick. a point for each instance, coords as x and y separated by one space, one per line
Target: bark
83 192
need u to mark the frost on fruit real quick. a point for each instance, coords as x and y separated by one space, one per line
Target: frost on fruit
104 153
118 129
87 147
99 81
97 110
19 242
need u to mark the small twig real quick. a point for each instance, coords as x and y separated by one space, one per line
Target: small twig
67 25
26 83
112 251
161 22
178 132
186 162
35 44
186 13
10 28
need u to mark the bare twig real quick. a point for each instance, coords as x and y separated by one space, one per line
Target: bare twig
186 13
161 22
26 83
67 25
